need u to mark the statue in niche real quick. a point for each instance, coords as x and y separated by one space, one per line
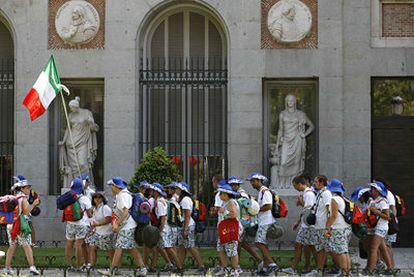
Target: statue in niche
290 151
397 105
83 150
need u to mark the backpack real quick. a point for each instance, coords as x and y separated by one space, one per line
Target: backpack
66 199
348 214
279 208
400 205
73 212
199 214
174 214
156 222
140 209
9 202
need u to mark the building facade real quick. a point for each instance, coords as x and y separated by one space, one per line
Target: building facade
207 81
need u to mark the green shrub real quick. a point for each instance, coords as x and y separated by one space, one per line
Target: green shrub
156 166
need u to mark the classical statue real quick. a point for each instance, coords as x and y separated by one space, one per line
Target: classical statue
289 21
291 143
82 151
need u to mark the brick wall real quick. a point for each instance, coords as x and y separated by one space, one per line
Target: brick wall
398 20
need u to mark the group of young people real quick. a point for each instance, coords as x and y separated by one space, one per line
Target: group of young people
325 226
322 227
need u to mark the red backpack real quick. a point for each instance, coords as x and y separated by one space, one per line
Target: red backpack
73 212
400 205
199 214
279 208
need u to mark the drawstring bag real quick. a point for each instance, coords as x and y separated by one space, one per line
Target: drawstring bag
228 230
24 226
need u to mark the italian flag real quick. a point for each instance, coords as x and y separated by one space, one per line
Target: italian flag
43 91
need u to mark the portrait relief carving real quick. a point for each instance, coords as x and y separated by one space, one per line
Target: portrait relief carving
76 23
289 24
289 21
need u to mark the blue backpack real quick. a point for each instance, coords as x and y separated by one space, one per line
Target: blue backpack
66 199
140 210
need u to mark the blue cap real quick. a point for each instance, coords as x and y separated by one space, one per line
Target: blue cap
118 182
234 180
380 187
227 189
77 186
144 184
336 185
158 188
257 176
184 187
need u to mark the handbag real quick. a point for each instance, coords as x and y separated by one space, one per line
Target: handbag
311 218
228 230
393 226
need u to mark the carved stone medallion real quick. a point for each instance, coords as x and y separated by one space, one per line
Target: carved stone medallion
289 24
76 23
289 21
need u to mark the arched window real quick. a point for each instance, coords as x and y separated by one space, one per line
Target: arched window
6 107
183 92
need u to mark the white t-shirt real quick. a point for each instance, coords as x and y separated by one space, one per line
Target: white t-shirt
264 198
85 204
309 198
162 210
151 201
99 215
339 222
218 203
124 200
381 204
187 204
323 200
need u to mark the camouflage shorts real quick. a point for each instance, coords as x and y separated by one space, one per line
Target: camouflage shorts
322 242
229 248
21 240
339 240
390 239
75 232
306 236
103 242
89 238
189 242
167 238
125 239
378 232
262 233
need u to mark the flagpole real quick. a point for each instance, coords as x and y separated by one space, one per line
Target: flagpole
70 131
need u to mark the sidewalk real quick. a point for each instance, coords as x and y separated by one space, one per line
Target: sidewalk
403 257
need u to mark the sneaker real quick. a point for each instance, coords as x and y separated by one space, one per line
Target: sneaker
260 266
219 271
8 271
239 270
234 272
380 266
332 271
290 271
272 268
314 272
142 271
34 271
168 267
388 272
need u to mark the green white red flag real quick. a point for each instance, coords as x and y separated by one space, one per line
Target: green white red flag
46 88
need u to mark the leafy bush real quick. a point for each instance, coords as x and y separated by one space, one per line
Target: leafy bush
156 166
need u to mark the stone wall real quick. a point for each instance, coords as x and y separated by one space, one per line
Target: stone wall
343 63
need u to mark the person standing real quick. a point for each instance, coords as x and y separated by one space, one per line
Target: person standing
22 189
229 210
339 232
322 208
266 219
306 235
103 237
124 226
186 234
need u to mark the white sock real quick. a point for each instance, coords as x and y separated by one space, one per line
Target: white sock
32 267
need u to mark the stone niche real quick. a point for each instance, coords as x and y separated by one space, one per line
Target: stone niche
76 24
289 24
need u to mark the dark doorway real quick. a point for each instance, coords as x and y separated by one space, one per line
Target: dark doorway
393 143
